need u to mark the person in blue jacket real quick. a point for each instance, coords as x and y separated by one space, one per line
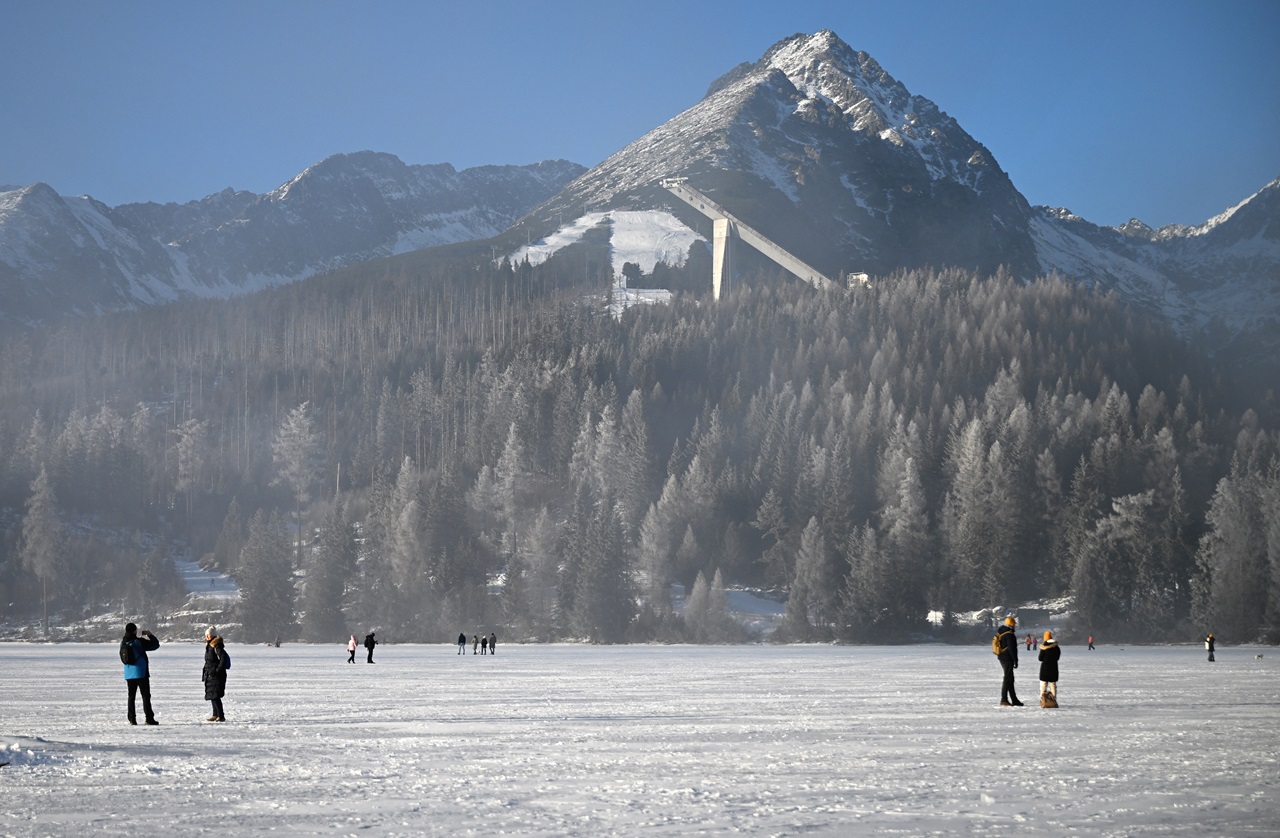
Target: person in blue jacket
137 674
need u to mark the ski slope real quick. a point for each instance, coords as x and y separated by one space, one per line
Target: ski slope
569 740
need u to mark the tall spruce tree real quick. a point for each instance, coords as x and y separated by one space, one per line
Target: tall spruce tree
323 593
296 453
42 540
265 577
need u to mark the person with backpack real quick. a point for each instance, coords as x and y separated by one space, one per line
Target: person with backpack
1049 654
369 643
1005 645
214 675
137 670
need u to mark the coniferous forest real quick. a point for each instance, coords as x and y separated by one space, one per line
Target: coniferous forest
463 446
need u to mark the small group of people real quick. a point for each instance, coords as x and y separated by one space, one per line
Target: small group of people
369 642
1007 641
134 647
479 644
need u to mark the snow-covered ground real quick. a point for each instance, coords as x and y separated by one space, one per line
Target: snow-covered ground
563 740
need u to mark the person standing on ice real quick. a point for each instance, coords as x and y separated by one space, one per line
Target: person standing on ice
484 645
1208 644
351 649
475 643
214 673
1049 654
137 672
462 643
1008 658
369 643
493 643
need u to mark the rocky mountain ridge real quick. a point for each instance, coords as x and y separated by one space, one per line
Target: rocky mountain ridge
63 255
818 147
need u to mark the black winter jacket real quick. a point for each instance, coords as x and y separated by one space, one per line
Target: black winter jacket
1049 662
214 673
1008 644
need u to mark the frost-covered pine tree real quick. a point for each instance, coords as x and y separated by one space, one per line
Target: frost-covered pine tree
333 561
266 580
41 548
296 453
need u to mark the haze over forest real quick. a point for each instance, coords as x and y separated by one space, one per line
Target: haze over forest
468 440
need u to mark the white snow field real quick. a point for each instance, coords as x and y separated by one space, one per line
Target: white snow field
576 740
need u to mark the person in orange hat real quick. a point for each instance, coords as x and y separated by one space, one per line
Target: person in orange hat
1049 654
1008 658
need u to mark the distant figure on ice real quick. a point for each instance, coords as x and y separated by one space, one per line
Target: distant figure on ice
475 643
137 672
484 645
462 643
1049 654
1091 643
1028 643
369 643
1008 644
493 643
351 649
214 673
1208 644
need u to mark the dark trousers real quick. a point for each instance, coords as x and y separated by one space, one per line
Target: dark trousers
217 707
139 685
370 654
351 658
1006 686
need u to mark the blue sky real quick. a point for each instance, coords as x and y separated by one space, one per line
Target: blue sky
1165 111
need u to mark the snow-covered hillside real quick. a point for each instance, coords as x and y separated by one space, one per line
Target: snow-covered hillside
642 237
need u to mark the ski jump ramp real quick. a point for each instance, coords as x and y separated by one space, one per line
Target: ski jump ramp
727 228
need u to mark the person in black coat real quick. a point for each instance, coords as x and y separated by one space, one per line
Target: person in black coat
214 673
1008 658
1208 644
369 643
462 644
1049 654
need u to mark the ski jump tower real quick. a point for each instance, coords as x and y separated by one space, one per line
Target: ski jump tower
726 229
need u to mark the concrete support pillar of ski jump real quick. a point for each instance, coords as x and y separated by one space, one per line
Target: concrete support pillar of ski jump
726 228
721 255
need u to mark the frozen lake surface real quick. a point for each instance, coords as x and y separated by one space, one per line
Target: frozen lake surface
666 740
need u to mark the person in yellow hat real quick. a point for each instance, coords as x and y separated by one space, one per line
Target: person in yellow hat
1049 654
1008 658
